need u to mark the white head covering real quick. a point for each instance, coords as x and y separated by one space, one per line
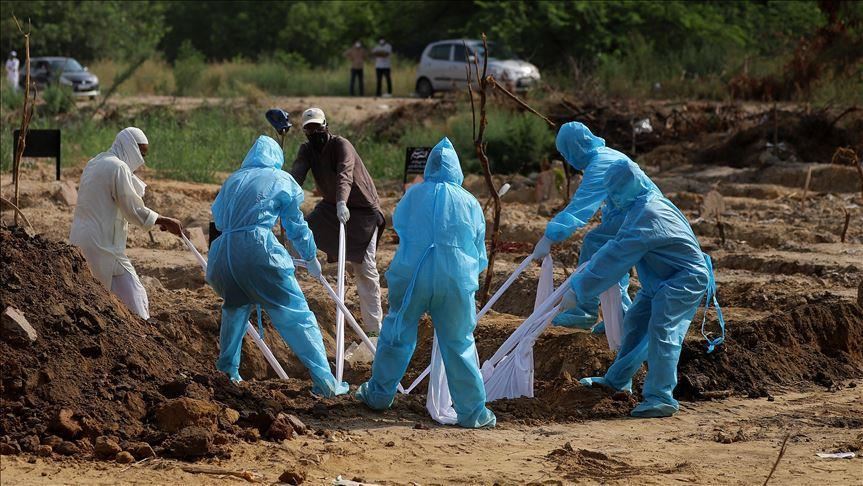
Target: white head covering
126 148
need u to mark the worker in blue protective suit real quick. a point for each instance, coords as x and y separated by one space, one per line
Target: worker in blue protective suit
656 238
586 152
441 229
248 266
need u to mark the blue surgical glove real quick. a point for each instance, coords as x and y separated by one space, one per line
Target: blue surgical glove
542 248
314 267
342 212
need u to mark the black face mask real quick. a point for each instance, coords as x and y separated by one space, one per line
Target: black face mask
319 140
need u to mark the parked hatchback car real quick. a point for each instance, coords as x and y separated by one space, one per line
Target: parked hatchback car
442 66
66 71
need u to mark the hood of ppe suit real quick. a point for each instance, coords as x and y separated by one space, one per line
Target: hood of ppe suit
577 144
625 182
265 153
443 164
125 147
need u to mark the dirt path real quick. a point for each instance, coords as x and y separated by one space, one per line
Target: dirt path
687 448
342 110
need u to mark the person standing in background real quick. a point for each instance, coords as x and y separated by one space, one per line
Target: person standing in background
12 64
383 52
357 54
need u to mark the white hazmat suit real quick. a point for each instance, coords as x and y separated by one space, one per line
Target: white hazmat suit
109 197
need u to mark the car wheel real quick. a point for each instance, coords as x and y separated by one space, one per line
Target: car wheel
424 88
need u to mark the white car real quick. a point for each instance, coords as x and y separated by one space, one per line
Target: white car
442 67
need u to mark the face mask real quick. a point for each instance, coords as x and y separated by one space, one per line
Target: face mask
319 140
381 42
357 44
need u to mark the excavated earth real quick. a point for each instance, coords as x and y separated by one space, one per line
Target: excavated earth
100 382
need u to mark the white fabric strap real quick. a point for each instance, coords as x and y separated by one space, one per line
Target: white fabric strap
340 317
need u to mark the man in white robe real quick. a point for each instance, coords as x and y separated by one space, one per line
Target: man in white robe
110 196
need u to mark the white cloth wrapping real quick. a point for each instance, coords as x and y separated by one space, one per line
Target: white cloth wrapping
509 373
109 196
512 375
438 401
612 315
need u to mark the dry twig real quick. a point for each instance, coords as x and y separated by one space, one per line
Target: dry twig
779 458
7 203
26 116
847 221
480 145
247 475
806 188
518 100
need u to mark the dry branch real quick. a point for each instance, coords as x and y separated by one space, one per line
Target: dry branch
247 475
26 116
779 458
806 188
480 145
847 221
8 204
518 100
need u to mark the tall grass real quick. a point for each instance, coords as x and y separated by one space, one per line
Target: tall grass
236 78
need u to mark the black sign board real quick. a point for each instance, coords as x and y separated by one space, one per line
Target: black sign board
40 143
415 164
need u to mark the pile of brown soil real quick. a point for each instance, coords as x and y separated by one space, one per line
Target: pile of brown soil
98 381
818 344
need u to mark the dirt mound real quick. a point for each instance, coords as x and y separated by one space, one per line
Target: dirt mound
577 464
391 125
95 375
815 343
803 137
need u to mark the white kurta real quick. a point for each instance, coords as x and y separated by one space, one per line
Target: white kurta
109 196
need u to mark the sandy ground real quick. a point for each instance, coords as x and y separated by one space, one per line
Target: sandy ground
685 449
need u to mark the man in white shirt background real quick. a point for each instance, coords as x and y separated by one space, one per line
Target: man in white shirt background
12 64
382 53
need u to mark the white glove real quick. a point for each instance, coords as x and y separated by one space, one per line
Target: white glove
542 248
314 267
569 300
342 212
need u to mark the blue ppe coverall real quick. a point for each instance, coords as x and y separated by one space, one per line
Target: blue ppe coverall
656 238
441 229
586 152
248 266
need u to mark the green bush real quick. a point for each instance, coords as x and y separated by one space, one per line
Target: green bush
58 99
11 99
188 69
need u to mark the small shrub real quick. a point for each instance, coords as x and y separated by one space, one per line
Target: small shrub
188 68
58 99
11 99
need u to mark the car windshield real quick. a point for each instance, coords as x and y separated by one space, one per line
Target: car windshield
67 65
497 50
